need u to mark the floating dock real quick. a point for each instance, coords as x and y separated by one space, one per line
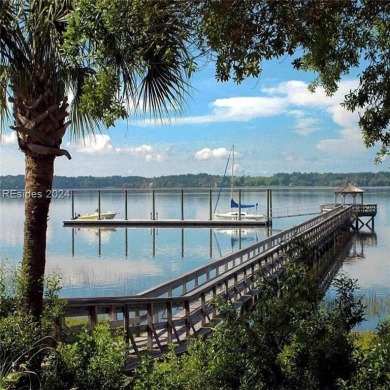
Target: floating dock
98 223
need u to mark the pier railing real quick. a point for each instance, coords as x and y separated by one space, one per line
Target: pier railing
364 210
183 308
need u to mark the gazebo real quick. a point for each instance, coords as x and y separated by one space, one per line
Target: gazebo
346 190
359 208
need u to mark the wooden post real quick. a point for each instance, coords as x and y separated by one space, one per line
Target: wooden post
211 206
239 205
126 204
211 242
154 241
182 242
246 287
203 308
226 286
268 206
73 246
149 342
112 313
182 205
126 326
153 206
188 317
126 243
169 322
93 316
100 240
235 283
72 196
214 311
99 204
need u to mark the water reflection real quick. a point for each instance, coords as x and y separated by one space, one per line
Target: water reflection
373 288
104 237
126 261
359 241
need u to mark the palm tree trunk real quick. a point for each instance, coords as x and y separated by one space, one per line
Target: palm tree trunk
38 184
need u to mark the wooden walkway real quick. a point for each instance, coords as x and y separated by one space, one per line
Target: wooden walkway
182 308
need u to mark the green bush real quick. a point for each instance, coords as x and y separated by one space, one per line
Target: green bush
94 361
30 356
373 363
24 342
286 342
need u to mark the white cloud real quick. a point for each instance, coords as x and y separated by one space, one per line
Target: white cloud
95 144
145 152
102 144
142 150
350 140
349 143
247 108
297 95
9 139
158 157
306 126
342 117
208 154
234 109
292 97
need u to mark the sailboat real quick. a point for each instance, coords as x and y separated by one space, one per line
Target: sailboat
236 210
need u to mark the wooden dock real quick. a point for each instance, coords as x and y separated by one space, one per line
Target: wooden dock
117 223
182 196
182 309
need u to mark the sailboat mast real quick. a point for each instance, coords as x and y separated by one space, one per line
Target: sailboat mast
232 177
223 180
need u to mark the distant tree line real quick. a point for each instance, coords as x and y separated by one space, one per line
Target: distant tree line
203 180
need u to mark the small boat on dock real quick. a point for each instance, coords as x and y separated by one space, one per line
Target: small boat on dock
95 216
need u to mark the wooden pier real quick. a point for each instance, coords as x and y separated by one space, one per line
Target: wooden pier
182 219
182 309
118 223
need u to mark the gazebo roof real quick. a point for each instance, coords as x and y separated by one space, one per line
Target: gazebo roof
349 189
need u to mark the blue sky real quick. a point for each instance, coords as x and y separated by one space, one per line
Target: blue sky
275 123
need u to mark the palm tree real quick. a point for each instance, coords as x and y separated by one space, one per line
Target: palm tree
65 69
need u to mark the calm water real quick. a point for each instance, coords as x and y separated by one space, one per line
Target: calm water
126 261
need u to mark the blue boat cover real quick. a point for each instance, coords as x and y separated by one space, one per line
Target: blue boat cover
234 204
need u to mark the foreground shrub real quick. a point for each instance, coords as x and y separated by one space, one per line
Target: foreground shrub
24 342
94 361
373 362
322 347
32 358
22 347
287 342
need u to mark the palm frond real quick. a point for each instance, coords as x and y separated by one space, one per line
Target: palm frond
141 43
164 83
